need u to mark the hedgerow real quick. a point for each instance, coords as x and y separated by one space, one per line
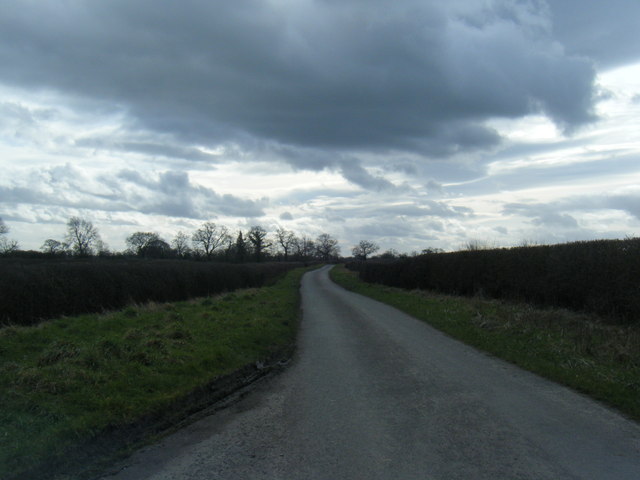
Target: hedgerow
36 290
601 277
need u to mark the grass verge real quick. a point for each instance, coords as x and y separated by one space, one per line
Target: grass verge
68 383
580 351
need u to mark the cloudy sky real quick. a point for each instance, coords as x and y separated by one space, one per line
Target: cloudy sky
413 123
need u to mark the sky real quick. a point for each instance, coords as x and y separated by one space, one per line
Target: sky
414 123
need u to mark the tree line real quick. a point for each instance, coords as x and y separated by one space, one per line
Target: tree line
211 241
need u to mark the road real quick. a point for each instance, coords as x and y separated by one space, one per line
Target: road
375 394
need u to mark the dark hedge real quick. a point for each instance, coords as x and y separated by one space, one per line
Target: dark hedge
36 290
601 277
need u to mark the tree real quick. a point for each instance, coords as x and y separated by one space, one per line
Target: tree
209 237
102 249
139 242
390 254
431 250
229 247
81 236
157 248
180 244
258 238
286 239
476 245
6 245
304 248
327 247
364 248
240 247
52 247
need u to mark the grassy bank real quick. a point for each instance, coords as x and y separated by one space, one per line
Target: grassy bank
67 383
577 350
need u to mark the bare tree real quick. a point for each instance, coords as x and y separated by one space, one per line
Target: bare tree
476 245
209 237
139 242
180 244
81 236
52 247
258 238
7 245
102 249
364 248
287 240
327 247
304 248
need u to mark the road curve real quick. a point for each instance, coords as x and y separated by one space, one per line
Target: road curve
375 394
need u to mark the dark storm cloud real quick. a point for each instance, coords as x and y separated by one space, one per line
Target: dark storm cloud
413 75
313 159
403 166
605 31
356 174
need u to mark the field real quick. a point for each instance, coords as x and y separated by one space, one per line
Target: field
579 350
75 389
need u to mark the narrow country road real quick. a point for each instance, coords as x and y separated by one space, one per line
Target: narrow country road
375 394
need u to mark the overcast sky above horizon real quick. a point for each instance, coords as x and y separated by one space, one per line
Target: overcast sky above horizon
413 123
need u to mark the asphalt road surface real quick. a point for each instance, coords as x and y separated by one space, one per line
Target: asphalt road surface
375 394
